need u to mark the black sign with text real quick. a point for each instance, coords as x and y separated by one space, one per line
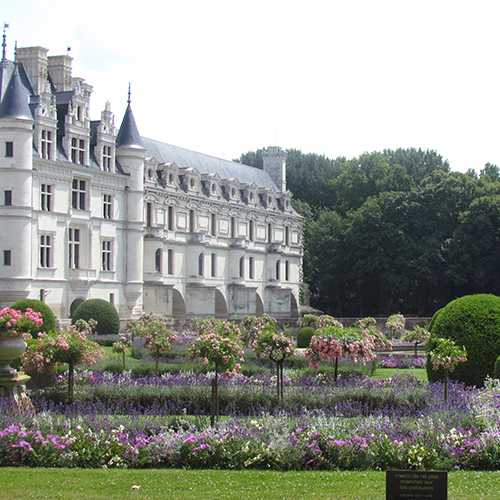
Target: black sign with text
416 485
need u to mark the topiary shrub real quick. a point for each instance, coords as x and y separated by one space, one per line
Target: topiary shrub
108 321
304 337
472 321
49 320
496 371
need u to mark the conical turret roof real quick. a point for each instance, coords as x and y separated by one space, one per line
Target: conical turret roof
128 135
15 99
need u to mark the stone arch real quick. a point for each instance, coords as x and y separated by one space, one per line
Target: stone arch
178 305
259 305
220 305
74 305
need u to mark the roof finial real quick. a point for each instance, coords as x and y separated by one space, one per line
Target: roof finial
128 100
4 42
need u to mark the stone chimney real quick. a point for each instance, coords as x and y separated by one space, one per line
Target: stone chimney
34 61
60 72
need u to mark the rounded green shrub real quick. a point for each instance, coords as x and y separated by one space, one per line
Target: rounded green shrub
108 321
304 337
49 320
472 321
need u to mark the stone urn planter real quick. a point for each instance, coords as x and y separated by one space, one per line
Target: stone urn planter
11 348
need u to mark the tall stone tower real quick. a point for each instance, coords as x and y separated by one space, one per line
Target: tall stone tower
275 165
16 149
130 154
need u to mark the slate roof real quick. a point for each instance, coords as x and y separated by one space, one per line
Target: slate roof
15 99
128 135
206 164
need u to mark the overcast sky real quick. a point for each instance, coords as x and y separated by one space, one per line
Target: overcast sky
338 78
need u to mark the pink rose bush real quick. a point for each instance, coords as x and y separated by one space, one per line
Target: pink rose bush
69 346
13 322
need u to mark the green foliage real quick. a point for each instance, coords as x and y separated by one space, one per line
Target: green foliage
49 320
304 337
108 321
496 371
472 321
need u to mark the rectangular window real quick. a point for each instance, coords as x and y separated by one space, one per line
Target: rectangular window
250 268
7 198
81 152
45 250
46 144
106 158
149 214
46 197
6 258
250 231
107 206
78 151
213 265
287 236
287 271
170 261
78 194
74 248
74 150
191 221
106 255
214 225
9 149
269 233
233 227
171 224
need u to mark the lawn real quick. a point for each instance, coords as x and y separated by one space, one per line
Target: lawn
93 484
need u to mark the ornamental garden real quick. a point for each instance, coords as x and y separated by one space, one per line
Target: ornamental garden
252 394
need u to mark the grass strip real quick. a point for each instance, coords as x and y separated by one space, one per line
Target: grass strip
148 484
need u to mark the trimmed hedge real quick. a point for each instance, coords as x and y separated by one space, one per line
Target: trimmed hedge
304 337
474 322
49 320
108 321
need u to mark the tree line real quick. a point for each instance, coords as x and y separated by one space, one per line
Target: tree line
394 231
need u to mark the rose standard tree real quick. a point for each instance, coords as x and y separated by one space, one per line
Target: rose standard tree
447 355
332 342
156 332
68 346
277 347
218 344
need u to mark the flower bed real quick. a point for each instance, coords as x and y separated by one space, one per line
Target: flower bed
463 432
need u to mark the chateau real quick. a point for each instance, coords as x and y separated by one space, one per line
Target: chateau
88 210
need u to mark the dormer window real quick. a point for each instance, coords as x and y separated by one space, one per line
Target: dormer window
233 193
46 143
171 178
78 151
214 188
106 158
252 197
192 183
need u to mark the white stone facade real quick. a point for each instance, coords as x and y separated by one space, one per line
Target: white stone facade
89 211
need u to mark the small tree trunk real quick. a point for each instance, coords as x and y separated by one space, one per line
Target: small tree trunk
446 384
281 379
124 367
336 372
416 343
71 381
214 409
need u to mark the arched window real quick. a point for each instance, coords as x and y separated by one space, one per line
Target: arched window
250 268
242 267
278 265
158 255
287 270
